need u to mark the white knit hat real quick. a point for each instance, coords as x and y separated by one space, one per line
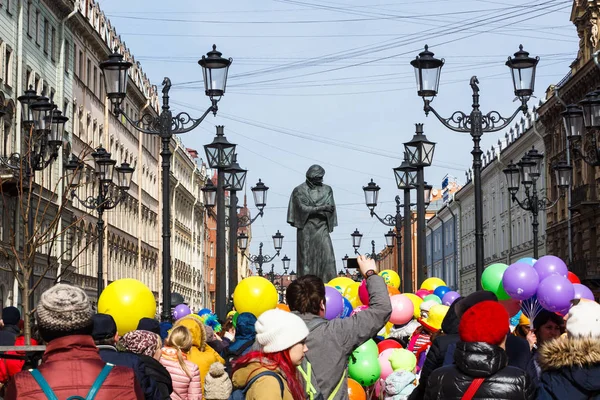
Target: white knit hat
277 330
584 320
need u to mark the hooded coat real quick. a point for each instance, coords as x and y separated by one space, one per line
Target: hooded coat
479 360
200 354
570 369
399 385
244 332
265 388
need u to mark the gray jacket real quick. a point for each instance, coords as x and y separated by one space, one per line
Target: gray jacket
330 344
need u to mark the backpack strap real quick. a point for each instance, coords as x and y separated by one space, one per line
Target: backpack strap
310 388
39 378
99 381
260 375
472 389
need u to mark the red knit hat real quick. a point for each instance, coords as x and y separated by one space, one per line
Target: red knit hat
484 322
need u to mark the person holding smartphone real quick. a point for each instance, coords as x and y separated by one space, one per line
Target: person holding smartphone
330 343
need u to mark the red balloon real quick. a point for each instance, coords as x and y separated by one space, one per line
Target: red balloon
388 344
363 294
422 293
573 278
512 306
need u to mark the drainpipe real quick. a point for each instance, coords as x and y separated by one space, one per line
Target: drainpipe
455 244
501 165
139 191
173 201
460 230
443 246
431 247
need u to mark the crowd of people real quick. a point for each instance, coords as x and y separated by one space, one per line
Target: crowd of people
465 351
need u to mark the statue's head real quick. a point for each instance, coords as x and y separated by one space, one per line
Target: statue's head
315 175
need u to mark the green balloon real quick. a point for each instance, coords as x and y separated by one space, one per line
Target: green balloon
367 349
234 319
364 370
491 280
432 297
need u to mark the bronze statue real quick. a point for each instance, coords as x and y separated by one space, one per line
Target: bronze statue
312 212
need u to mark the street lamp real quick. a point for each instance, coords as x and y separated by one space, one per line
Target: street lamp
578 120
260 259
165 125
475 123
111 192
356 239
419 151
528 171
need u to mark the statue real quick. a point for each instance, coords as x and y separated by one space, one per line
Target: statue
312 212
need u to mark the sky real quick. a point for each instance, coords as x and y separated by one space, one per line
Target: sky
330 83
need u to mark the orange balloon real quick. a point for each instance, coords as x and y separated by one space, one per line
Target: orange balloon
355 391
392 290
283 307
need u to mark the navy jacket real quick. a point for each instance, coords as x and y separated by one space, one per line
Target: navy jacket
9 334
570 369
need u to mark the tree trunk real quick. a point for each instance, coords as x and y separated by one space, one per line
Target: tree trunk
26 311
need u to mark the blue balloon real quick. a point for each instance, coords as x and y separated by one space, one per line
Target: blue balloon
204 311
440 291
347 310
528 260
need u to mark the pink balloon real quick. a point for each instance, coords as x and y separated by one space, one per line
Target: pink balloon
402 309
379 387
359 309
384 362
363 295
422 293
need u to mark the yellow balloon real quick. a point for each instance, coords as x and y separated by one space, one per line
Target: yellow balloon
432 283
127 301
255 295
340 283
391 278
351 293
416 300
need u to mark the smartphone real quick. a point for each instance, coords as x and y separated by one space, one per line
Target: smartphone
352 263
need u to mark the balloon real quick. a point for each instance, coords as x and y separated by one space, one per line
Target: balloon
355 391
402 309
520 281
422 293
512 306
573 278
334 305
527 260
391 278
379 389
347 309
351 293
367 349
392 290
550 265
388 344
440 291
181 311
341 283
234 319
204 311
432 297
432 283
364 370
491 280
127 301
402 359
555 293
384 363
583 292
450 298
363 294
358 309
416 300
255 295
283 307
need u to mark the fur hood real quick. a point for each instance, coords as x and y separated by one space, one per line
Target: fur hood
569 352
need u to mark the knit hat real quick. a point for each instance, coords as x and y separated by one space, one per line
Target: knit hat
141 342
217 385
435 316
11 315
484 322
402 359
63 310
584 320
104 327
149 324
472 299
523 320
277 330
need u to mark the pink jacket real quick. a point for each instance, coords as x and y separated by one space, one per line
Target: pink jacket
184 387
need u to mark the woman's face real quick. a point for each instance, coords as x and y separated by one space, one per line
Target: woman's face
297 352
547 332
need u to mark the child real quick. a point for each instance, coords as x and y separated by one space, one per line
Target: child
400 384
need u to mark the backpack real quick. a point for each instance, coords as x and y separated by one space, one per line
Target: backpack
91 394
240 394
230 356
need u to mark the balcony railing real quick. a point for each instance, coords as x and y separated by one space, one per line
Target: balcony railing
586 268
582 196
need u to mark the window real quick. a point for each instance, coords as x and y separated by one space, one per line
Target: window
95 78
88 72
29 16
67 56
46 36
80 69
53 45
8 75
38 27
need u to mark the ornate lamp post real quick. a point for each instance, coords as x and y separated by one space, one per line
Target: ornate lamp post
165 125
110 194
529 170
427 70
261 258
356 239
578 120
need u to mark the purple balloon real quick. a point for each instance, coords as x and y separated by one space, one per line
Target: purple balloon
520 281
181 311
450 298
550 265
334 303
555 293
583 292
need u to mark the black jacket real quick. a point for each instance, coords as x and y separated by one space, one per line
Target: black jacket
479 360
9 334
155 370
570 369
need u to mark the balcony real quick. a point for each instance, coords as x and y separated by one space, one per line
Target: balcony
586 268
583 196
